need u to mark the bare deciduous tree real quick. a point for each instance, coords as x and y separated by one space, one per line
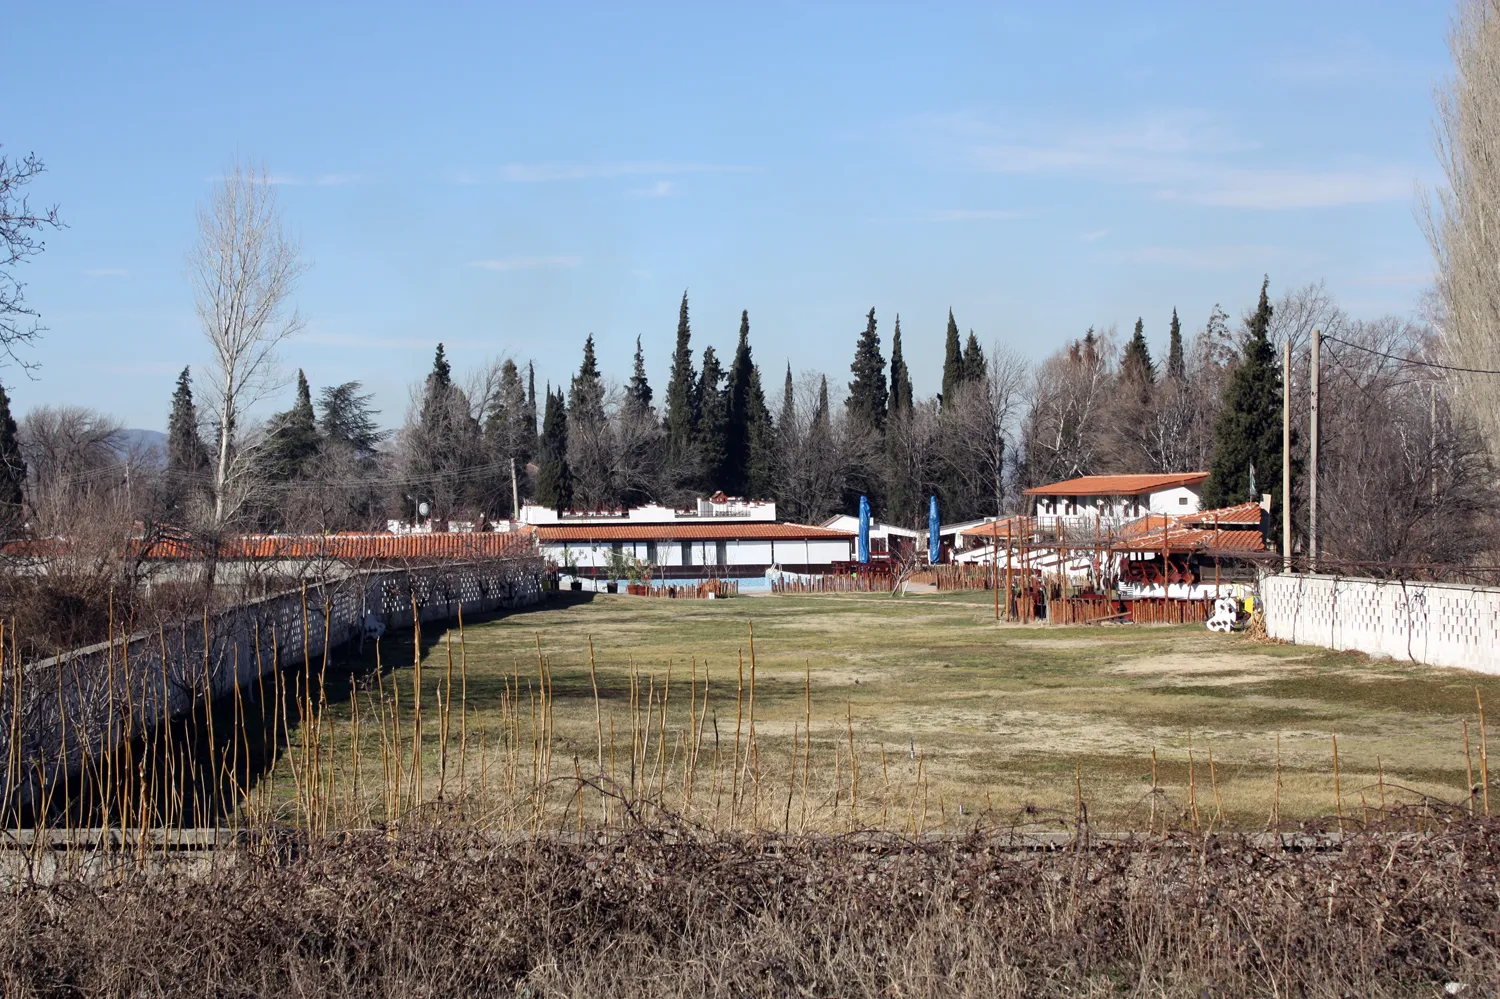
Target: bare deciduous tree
1460 219
243 270
20 226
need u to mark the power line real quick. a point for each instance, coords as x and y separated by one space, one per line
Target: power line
1412 360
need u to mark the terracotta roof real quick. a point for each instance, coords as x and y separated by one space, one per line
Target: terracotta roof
1117 485
1243 515
1006 527
741 531
1180 539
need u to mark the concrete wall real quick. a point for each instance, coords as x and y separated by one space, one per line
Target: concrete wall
76 703
1443 624
704 553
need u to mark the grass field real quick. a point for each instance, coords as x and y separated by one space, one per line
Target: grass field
951 717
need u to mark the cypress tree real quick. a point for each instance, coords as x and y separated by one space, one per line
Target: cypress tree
1176 364
867 393
506 436
788 404
1248 430
12 469
900 375
638 392
293 441
760 474
1136 364
529 444
554 480
589 455
682 393
187 456
737 437
953 360
973 360
713 423
820 420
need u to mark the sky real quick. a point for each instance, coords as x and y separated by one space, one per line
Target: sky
508 179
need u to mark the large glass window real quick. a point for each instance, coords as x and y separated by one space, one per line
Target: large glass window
687 553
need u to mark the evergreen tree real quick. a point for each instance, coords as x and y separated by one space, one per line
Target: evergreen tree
788 419
589 445
1136 365
638 392
737 430
953 360
682 394
12 469
187 456
820 421
1248 430
347 420
1176 364
900 375
713 424
507 436
554 480
973 360
293 441
529 444
867 393
444 445
760 474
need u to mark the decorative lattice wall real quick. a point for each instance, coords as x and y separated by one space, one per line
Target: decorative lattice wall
1443 624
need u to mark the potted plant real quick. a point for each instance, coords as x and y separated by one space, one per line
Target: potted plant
616 565
570 568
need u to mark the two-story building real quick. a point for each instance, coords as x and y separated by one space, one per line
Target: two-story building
1115 500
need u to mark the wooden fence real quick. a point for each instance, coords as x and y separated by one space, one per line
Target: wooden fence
713 589
1145 610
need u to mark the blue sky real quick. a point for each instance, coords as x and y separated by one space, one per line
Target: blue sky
508 179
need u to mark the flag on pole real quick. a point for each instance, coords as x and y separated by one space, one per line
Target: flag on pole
934 541
864 529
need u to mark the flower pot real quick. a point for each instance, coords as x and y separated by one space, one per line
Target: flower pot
576 586
612 588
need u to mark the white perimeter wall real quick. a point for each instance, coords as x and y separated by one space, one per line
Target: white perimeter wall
1443 624
669 553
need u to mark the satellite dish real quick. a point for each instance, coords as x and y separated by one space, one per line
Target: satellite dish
422 509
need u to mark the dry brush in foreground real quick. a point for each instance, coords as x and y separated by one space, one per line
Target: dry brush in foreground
660 912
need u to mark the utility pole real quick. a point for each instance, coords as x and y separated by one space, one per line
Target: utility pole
1315 377
515 494
1286 457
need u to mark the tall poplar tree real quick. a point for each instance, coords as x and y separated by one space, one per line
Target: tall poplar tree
1176 362
1248 430
187 456
554 480
901 397
12 469
953 360
867 392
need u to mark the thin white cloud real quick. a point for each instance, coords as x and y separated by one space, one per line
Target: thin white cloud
338 179
1179 157
1094 236
106 272
537 173
661 189
525 263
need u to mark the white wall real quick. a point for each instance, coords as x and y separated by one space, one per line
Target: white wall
669 553
1443 624
1179 500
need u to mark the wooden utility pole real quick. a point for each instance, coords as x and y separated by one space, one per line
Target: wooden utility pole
1314 378
515 494
1286 457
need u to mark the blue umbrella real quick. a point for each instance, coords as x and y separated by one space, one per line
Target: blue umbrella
864 529
934 542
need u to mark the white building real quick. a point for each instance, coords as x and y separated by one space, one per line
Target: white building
721 536
1115 500
886 540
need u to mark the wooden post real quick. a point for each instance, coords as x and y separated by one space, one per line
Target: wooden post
1009 599
1286 457
1315 377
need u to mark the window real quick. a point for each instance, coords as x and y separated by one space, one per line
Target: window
721 553
617 547
878 546
1182 501
687 553
651 551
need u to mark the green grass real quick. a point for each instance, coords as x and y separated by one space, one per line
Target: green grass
1003 717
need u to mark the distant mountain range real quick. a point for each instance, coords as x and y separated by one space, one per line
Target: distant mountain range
147 445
